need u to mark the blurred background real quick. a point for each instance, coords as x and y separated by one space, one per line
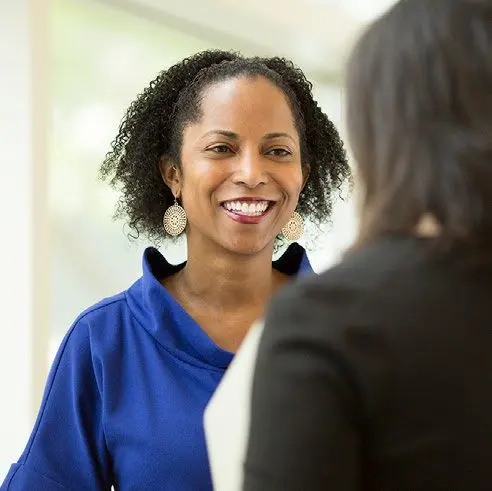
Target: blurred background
69 69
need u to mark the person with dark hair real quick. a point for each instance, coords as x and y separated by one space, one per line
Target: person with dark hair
235 153
377 374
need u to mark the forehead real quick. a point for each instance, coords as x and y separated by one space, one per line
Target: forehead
246 105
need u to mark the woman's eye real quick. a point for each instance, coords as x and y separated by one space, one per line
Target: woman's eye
219 149
279 152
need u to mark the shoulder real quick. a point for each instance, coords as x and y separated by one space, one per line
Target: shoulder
351 302
102 320
92 338
100 310
339 317
358 276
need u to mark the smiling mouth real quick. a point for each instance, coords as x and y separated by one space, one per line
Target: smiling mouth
255 208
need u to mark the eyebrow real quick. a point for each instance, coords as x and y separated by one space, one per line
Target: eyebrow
271 136
235 136
229 134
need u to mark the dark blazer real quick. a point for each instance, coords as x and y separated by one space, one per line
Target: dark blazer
377 375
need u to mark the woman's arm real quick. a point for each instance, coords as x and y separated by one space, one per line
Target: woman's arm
67 447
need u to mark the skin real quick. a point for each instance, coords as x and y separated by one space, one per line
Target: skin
244 146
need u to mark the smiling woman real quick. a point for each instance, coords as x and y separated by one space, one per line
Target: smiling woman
224 149
240 165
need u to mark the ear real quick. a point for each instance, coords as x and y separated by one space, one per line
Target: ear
171 175
306 170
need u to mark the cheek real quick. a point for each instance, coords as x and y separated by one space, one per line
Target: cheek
200 168
200 178
195 170
293 181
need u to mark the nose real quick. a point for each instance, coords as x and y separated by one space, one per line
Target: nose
251 171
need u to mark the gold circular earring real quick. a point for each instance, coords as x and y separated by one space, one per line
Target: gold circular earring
175 219
294 228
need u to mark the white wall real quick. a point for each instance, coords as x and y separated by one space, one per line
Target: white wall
23 248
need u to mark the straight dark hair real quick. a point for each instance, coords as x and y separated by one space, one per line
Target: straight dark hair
419 117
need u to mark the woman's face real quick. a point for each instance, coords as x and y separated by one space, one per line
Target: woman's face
241 172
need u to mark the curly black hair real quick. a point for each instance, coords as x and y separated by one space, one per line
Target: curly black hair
153 126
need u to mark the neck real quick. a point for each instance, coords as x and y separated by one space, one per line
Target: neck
223 280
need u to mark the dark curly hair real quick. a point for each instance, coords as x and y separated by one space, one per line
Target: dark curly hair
153 127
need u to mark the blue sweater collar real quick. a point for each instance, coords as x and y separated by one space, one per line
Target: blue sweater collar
172 327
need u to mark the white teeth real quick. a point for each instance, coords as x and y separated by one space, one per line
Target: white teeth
247 208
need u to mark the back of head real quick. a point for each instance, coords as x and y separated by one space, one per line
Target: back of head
419 117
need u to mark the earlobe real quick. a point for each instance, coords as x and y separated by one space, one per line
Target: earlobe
170 174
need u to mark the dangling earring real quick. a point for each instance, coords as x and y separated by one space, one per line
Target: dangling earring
175 219
294 228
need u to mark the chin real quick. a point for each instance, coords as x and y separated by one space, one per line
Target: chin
249 246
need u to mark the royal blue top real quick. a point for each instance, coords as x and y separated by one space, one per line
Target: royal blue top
124 400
